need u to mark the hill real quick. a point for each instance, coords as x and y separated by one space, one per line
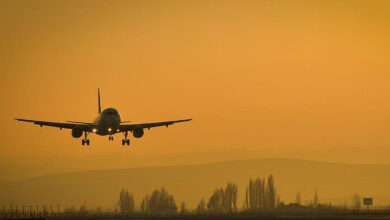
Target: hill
191 183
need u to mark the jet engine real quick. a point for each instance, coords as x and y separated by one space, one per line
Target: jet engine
138 132
77 132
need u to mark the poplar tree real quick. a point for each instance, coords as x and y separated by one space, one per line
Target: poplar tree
260 194
298 198
356 202
271 197
315 199
126 202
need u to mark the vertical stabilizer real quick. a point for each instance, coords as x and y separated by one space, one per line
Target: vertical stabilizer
100 108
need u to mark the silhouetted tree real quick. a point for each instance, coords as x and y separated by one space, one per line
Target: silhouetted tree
215 203
82 209
271 192
260 194
224 200
201 208
160 203
145 204
126 202
254 194
263 197
183 208
315 199
245 206
230 199
298 198
356 202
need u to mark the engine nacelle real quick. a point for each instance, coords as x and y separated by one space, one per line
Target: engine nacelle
77 132
138 132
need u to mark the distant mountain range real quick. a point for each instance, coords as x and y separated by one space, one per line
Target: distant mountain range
191 183
22 166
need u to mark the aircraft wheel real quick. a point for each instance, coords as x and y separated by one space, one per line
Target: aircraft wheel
87 141
128 141
82 142
123 141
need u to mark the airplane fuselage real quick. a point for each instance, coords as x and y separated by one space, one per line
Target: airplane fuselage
107 122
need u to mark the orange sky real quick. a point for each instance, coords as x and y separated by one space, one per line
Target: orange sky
254 75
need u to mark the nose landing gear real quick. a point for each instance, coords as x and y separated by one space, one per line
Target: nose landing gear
111 138
126 140
85 140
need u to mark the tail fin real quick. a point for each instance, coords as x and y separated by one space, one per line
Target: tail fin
100 108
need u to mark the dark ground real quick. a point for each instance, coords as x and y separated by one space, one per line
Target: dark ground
262 217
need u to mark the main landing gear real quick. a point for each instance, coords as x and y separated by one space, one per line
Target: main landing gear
85 140
111 138
126 140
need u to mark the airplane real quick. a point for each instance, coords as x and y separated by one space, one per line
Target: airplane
108 122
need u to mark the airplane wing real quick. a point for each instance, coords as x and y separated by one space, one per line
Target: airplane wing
79 122
131 127
84 127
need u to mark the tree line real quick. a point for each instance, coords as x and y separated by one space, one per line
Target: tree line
260 194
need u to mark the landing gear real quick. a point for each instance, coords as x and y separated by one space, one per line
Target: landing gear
126 140
111 138
85 140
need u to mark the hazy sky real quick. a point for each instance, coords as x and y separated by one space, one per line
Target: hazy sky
254 75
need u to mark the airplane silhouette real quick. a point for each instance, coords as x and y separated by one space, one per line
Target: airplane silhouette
108 122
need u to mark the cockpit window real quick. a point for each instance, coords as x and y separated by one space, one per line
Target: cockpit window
110 111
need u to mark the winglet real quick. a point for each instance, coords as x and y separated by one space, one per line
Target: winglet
100 108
